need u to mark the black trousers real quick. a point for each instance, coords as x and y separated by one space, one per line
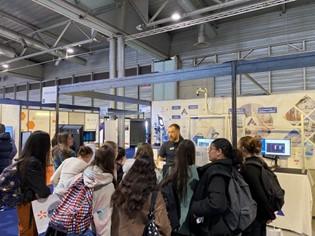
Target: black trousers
255 229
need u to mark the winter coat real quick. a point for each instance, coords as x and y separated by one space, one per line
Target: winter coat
124 226
68 169
7 150
33 183
94 177
252 175
211 200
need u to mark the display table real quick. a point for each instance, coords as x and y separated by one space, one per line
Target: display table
298 203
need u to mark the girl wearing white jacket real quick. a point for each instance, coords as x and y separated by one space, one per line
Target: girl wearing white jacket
69 168
100 176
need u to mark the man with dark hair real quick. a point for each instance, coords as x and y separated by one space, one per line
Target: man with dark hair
168 149
7 148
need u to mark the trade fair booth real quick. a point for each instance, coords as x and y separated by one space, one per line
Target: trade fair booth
286 124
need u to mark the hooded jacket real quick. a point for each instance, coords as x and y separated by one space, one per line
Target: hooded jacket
210 200
103 186
63 176
7 150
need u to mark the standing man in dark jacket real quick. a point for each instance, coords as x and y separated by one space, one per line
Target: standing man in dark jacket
7 148
168 149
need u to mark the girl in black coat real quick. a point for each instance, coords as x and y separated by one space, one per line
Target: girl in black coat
251 148
211 196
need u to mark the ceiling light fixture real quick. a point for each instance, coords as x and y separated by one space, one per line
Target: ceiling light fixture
175 16
5 66
70 50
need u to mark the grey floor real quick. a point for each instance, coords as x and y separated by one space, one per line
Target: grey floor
289 233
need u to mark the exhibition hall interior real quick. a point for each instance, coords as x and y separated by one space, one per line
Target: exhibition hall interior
157 117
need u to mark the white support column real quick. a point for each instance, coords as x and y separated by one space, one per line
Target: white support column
121 91
112 66
120 67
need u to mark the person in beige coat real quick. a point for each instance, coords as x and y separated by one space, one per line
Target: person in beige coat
132 198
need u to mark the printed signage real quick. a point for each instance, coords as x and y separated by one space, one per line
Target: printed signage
49 95
267 110
238 110
176 117
175 107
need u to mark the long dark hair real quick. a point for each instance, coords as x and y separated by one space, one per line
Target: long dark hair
185 157
38 146
228 151
136 186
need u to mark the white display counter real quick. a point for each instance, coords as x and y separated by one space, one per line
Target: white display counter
298 203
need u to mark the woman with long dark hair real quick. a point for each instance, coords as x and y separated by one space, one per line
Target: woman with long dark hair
63 149
32 171
251 149
211 196
143 149
180 184
132 199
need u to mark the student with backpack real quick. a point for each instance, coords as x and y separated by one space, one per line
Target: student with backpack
85 208
257 175
31 169
69 168
138 205
222 204
178 187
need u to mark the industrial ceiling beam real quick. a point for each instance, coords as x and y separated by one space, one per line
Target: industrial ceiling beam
252 66
198 12
36 29
74 13
103 96
28 70
257 83
51 51
33 43
210 18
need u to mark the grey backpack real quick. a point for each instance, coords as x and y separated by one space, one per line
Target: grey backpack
242 209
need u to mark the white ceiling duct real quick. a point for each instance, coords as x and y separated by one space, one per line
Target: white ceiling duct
7 52
202 38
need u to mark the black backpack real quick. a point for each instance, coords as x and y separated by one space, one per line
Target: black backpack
273 190
151 229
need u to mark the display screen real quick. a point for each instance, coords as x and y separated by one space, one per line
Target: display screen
89 136
203 142
278 147
9 129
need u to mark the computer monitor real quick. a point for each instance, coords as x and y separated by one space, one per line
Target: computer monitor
24 137
9 129
89 136
276 147
204 142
